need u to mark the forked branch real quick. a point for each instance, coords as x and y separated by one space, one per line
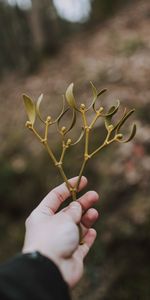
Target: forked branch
113 130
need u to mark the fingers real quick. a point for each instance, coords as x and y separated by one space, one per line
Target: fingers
59 194
89 239
88 220
88 200
90 217
74 210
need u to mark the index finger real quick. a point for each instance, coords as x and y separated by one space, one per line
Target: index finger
59 194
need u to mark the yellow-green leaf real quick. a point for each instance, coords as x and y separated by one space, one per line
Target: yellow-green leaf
70 97
38 107
63 111
80 137
118 123
94 90
133 132
30 108
59 118
113 109
108 117
72 122
96 94
123 120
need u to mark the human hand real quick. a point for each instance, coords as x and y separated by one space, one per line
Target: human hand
56 234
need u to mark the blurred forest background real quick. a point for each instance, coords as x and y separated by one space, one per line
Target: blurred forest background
44 46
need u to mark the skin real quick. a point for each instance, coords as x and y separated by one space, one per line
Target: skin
56 234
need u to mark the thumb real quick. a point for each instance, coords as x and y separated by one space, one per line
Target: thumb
74 210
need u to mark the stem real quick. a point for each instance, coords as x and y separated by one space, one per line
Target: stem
98 149
74 195
46 130
93 122
86 141
84 118
37 135
106 143
64 176
86 156
50 152
59 166
56 163
80 174
63 152
98 114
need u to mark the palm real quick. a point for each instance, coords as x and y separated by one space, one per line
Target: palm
64 245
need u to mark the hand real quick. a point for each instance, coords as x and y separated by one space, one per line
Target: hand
56 234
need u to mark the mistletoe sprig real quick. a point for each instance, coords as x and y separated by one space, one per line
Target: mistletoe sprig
113 131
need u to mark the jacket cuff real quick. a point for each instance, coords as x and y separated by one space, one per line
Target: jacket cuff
33 276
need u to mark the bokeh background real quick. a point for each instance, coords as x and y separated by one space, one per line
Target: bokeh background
44 46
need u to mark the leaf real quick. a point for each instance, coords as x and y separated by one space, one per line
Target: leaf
101 92
124 114
94 90
123 120
133 132
113 109
72 122
30 108
108 117
96 94
63 111
60 117
80 137
38 107
70 97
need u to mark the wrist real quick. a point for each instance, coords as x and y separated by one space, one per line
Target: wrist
34 252
50 255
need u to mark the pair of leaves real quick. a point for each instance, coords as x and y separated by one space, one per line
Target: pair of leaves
71 99
122 121
32 109
126 115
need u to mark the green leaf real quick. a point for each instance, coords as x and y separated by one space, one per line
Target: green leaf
63 111
80 137
94 90
101 92
30 108
60 117
72 122
70 97
113 109
118 123
133 132
38 107
123 120
108 117
96 94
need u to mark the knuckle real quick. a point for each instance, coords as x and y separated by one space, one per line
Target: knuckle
58 195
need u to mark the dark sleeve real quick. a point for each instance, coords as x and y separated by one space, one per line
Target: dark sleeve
32 277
